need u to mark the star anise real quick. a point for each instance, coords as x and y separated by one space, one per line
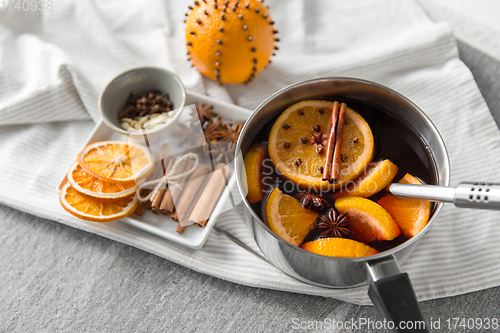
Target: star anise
318 139
199 140
206 137
211 130
333 225
222 152
229 132
312 202
187 133
203 113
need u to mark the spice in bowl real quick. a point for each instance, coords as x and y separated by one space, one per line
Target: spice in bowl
146 111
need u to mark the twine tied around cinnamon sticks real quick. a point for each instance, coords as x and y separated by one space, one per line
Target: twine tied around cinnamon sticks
169 178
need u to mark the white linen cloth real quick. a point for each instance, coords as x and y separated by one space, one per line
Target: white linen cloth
54 63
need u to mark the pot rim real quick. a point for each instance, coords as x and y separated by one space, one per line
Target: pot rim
443 182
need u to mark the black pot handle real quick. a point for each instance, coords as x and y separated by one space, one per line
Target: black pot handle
393 296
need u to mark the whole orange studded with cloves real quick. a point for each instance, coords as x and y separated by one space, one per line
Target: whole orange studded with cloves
230 41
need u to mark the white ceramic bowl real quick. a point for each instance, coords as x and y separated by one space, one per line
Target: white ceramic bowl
142 80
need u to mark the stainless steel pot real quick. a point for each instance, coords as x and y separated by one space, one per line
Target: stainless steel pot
389 289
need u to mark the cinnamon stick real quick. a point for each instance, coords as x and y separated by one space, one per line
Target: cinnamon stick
188 199
155 175
162 156
330 145
338 144
180 229
167 165
141 207
167 205
210 195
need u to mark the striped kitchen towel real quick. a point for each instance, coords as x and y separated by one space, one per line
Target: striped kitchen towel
53 63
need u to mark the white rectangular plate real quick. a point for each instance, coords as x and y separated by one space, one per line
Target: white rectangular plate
162 225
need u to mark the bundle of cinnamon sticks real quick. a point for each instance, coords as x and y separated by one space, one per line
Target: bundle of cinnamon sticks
331 168
193 197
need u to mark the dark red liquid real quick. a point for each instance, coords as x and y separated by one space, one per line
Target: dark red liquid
394 140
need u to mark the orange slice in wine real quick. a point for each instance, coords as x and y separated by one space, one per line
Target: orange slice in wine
253 165
360 210
410 214
374 179
287 218
339 247
297 133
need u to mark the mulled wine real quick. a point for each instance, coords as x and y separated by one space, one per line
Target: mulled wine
395 143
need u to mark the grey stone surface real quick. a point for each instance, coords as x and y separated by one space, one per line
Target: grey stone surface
486 71
54 278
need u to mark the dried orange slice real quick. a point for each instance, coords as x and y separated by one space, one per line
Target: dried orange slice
411 215
287 218
295 155
373 180
93 209
360 210
253 164
339 247
87 184
116 161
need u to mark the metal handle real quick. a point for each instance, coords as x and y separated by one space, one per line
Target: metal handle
423 192
392 294
465 195
478 195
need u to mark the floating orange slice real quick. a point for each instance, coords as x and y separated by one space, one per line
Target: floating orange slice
411 215
253 164
87 184
363 213
287 218
93 209
339 247
298 159
116 161
374 179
